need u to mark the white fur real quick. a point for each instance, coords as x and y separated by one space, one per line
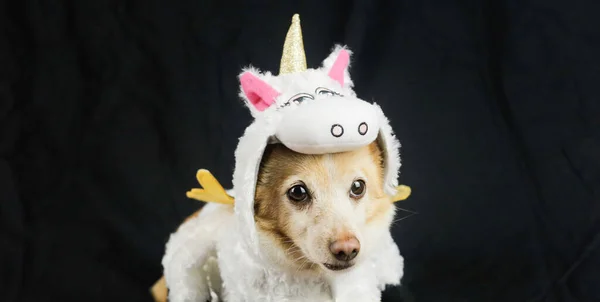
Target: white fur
245 262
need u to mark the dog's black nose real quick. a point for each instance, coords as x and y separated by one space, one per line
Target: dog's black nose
345 250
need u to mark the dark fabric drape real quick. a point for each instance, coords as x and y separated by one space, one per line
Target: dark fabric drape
107 109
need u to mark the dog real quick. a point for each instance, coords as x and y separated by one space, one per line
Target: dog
317 216
314 183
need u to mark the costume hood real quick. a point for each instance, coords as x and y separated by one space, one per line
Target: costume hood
310 111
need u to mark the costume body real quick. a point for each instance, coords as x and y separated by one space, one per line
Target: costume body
310 111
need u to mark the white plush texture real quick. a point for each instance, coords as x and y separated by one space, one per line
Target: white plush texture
248 155
189 249
308 128
248 275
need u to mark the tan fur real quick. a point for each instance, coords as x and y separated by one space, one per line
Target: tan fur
278 219
159 290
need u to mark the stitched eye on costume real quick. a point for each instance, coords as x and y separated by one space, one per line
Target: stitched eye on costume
298 193
325 91
358 189
299 98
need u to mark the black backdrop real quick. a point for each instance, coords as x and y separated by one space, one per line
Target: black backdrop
107 109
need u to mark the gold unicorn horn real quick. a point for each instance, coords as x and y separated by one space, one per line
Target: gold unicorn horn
293 58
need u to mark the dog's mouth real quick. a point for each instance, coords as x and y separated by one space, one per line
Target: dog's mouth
338 267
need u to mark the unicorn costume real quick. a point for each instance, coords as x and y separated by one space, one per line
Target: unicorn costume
311 111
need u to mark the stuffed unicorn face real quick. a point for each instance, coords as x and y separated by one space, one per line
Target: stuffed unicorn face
318 110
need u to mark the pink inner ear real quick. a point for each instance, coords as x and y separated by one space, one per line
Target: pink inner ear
260 94
339 67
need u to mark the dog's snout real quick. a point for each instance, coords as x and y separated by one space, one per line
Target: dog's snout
346 249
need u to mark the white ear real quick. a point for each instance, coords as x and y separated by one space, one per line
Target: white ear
337 64
256 92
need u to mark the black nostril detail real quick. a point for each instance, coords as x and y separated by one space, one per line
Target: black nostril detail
352 255
363 128
342 256
337 130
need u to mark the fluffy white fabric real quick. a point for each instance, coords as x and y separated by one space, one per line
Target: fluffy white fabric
190 249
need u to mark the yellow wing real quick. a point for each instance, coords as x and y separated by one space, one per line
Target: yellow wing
402 193
211 191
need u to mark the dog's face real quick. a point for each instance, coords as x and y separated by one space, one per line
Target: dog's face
321 213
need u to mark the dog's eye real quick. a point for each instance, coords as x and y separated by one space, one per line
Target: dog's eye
358 189
298 193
